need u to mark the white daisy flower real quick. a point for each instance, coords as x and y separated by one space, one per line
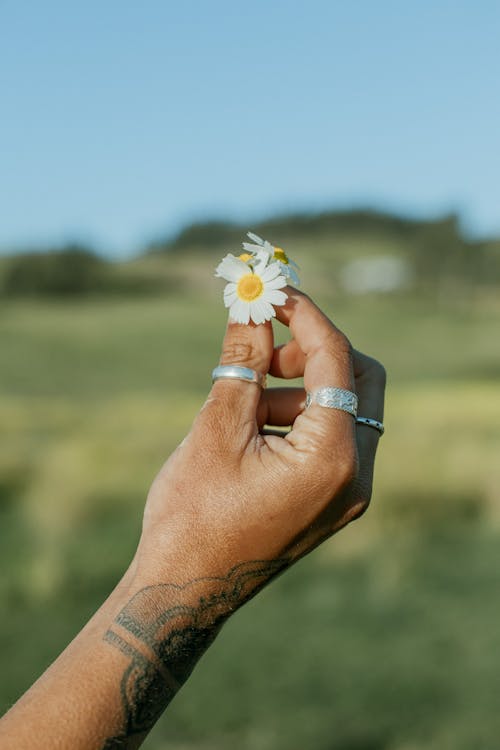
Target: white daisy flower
252 289
288 267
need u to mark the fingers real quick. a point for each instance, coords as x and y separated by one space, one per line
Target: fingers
322 353
370 388
319 351
370 385
326 352
230 411
288 361
280 406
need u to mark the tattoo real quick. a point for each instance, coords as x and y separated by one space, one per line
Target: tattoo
170 626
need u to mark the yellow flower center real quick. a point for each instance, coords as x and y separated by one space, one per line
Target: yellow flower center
279 254
249 287
245 256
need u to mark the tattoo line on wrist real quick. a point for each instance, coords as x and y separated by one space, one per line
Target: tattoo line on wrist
176 632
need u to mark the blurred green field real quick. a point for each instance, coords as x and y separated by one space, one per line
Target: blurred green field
387 637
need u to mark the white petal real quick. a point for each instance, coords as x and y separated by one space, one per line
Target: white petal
272 271
230 287
275 297
278 283
257 312
230 299
260 311
230 294
253 249
240 312
231 268
255 238
261 262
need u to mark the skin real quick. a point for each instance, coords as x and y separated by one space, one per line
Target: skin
230 509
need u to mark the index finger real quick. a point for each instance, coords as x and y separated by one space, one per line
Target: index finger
327 351
327 354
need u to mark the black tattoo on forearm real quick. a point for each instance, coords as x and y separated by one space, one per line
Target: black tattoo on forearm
173 626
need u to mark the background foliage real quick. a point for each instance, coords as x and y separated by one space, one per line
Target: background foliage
386 637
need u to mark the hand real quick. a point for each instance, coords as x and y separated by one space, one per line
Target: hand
230 509
230 494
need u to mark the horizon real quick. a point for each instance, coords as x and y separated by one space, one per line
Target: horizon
169 238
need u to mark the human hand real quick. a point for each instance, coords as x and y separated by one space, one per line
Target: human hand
233 507
230 509
231 494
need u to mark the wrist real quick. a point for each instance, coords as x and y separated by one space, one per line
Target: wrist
185 568
180 597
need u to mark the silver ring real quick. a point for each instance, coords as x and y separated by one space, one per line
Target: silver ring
371 423
334 398
237 372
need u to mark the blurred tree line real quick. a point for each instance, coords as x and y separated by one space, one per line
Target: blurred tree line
71 271
441 257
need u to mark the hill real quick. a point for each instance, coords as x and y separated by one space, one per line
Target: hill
434 257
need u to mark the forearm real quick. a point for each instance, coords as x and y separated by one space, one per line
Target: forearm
76 701
116 678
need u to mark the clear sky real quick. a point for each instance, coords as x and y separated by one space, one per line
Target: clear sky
119 120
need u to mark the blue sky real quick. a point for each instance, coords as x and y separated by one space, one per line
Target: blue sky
120 121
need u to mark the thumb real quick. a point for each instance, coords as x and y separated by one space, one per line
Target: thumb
231 408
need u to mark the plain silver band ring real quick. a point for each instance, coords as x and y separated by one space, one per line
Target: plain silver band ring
371 423
237 372
334 398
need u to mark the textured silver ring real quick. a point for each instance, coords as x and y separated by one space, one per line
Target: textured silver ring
237 372
333 398
371 423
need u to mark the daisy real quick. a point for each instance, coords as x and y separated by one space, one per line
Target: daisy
253 287
288 267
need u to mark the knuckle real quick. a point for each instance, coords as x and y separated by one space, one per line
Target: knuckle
343 343
377 371
347 470
304 297
360 499
339 345
340 473
381 374
238 352
358 508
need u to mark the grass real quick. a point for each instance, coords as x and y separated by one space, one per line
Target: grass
391 654
384 639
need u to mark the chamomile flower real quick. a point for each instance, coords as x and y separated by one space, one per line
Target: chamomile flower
253 288
288 267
